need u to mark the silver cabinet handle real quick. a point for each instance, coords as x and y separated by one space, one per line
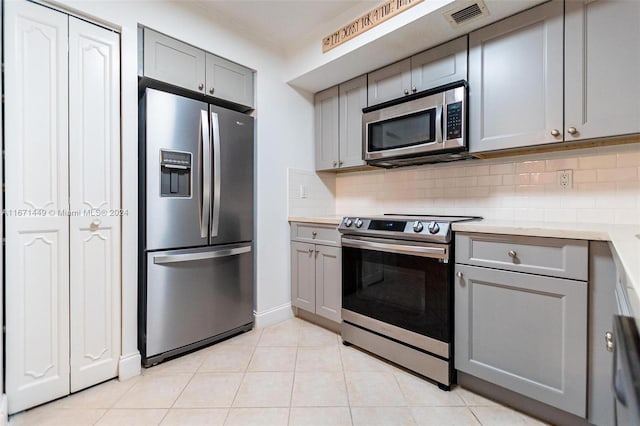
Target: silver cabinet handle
205 169
555 132
608 340
340 163
317 251
189 257
413 89
314 233
335 163
406 91
215 127
512 253
310 250
572 130
459 274
211 90
200 86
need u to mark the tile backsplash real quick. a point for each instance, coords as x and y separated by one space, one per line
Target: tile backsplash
606 188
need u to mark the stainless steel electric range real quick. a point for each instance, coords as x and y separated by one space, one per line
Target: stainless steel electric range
397 290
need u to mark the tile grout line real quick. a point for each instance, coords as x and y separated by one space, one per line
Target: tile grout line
244 374
293 382
344 375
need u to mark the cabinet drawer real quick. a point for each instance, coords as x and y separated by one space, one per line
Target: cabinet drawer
543 256
311 232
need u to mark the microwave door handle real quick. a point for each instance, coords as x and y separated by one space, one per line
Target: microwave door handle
215 214
205 178
439 120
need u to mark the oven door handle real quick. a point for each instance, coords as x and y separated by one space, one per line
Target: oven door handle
435 252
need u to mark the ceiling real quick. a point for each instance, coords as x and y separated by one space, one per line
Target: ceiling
281 24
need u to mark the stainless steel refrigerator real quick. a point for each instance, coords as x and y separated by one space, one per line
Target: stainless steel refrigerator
196 224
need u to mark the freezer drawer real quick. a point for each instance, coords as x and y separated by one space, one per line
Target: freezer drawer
196 294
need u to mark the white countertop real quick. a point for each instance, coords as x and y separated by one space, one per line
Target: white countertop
325 220
624 239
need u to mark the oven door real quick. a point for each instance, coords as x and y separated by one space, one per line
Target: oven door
399 283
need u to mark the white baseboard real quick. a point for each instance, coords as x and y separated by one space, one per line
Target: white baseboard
130 366
4 412
273 315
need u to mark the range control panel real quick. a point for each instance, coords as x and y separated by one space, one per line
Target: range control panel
415 228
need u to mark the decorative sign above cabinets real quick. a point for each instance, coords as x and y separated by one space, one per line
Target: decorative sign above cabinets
367 21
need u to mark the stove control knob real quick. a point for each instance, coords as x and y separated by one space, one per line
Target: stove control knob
433 227
417 226
348 222
358 223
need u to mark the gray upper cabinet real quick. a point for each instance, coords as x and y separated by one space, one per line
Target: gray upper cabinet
353 97
390 82
516 80
432 68
441 65
228 80
602 65
167 59
338 125
172 61
326 129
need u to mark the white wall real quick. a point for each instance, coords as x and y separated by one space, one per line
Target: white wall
284 139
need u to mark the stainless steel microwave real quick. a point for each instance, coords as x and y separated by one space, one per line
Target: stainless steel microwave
425 127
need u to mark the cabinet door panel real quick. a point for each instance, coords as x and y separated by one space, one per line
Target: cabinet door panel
329 282
303 276
389 82
353 97
602 60
94 145
172 61
441 65
37 244
516 80
524 332
326 129
230 81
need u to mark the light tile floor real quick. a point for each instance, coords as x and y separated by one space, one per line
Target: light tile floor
292 373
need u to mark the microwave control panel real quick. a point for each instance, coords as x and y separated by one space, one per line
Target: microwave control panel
454 120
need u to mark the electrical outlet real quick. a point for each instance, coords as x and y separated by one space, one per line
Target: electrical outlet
303 191
565 179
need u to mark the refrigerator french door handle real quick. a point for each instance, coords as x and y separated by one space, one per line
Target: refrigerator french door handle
190 257
206 174
215 214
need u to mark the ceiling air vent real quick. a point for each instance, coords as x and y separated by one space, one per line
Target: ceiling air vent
466 13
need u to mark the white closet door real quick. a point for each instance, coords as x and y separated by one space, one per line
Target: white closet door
36 174
94 184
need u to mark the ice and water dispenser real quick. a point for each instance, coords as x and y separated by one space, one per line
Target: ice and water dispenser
175 173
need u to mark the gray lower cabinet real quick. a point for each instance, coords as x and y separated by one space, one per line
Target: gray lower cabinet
524 332
316 270
521 315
